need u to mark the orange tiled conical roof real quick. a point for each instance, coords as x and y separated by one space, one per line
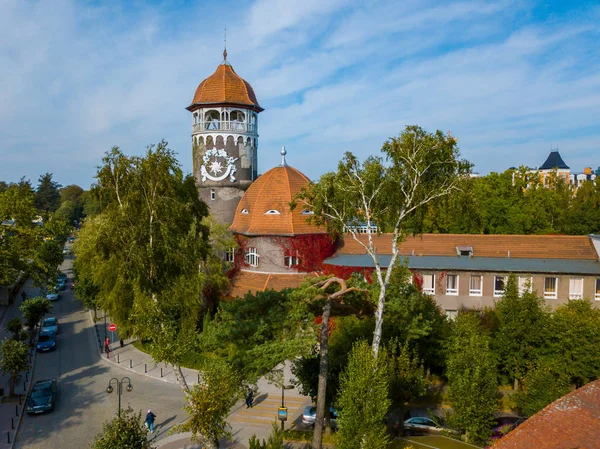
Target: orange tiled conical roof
265 207
225 86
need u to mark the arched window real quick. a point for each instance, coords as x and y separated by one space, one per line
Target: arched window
195 118
245 211
237 120
248 142
240 140
272 212
307 212
201 141
211 119
251 257
209 142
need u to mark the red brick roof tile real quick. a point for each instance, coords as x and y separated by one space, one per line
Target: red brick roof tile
249 281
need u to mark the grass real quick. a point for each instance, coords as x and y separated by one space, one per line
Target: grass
191 361
305 436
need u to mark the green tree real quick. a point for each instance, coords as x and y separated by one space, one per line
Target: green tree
472 378
47 194
71 193
15 327
144 250
14 361
363 400
275 440
385 191
543 384
574 342
87 292
33 310
210 402
126 431
521 335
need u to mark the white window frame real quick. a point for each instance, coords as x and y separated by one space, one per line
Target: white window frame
213 195
472 291
525 284
230 255
251 257
272 212
597 291
573 294
452 291
291 261
499 293
551 294
430 290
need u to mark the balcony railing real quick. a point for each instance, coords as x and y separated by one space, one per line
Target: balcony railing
217 125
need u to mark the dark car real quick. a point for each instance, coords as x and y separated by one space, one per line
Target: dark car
46 341
421 426
50 325
42 397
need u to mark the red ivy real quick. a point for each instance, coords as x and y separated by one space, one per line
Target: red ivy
330 325
346 272
239 259
311 250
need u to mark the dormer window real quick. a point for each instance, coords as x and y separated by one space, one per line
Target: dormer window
307 212
466 251
272 212
245 211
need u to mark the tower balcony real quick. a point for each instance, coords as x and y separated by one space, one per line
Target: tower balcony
222 125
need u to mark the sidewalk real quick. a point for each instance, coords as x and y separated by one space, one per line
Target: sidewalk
244 422
11 412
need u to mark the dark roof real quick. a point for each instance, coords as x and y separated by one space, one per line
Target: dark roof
572 421
554 161
466 263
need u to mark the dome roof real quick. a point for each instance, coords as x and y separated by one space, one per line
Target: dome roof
225 86
265 207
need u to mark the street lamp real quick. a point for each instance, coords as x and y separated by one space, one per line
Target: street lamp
110 389
282 412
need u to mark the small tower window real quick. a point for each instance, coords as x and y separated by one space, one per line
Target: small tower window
307 212
213 195
245 211
272 212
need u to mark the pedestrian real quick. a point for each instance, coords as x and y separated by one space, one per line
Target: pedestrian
249 398
150 417
23 296
121 342
107 346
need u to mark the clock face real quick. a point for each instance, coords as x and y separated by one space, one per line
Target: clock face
218 165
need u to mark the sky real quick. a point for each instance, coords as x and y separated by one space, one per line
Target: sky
510 79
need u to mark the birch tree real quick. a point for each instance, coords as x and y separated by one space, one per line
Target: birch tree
382 193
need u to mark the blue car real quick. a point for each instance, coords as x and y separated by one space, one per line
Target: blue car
46 341
50 325
42 397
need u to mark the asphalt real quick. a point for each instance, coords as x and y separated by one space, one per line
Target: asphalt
83 373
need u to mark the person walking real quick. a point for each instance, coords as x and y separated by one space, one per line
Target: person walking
107 346
150 417
249 398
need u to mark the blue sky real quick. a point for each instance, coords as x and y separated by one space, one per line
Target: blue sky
510 79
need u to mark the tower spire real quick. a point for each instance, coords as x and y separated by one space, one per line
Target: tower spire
225 45
283 153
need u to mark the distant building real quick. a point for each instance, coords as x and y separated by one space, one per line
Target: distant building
555 164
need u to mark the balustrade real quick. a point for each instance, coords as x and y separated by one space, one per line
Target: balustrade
221 125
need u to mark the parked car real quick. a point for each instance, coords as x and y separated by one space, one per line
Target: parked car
50 325
53 294
42 397
71 239
61 284
46 341
421 426
310 414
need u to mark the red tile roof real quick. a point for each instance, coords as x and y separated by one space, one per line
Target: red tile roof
519 246
273 191
225 87
248 281
570 422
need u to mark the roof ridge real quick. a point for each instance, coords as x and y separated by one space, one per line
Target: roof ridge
290 196
262 187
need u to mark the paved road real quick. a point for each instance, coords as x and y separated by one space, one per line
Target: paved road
83 404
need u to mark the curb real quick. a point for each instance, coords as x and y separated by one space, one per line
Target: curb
123 367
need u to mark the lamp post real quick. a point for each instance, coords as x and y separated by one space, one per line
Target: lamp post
283 410
110 388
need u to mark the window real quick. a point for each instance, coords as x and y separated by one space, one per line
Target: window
252 257
307 212
499 285
429 283
597 295
576 288
451 314
272 212
525 284
475 285
213 195
245 211
452 284
464 250
230 255
291 261
551 288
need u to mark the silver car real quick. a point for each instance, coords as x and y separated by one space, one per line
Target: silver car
310 413
420 426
